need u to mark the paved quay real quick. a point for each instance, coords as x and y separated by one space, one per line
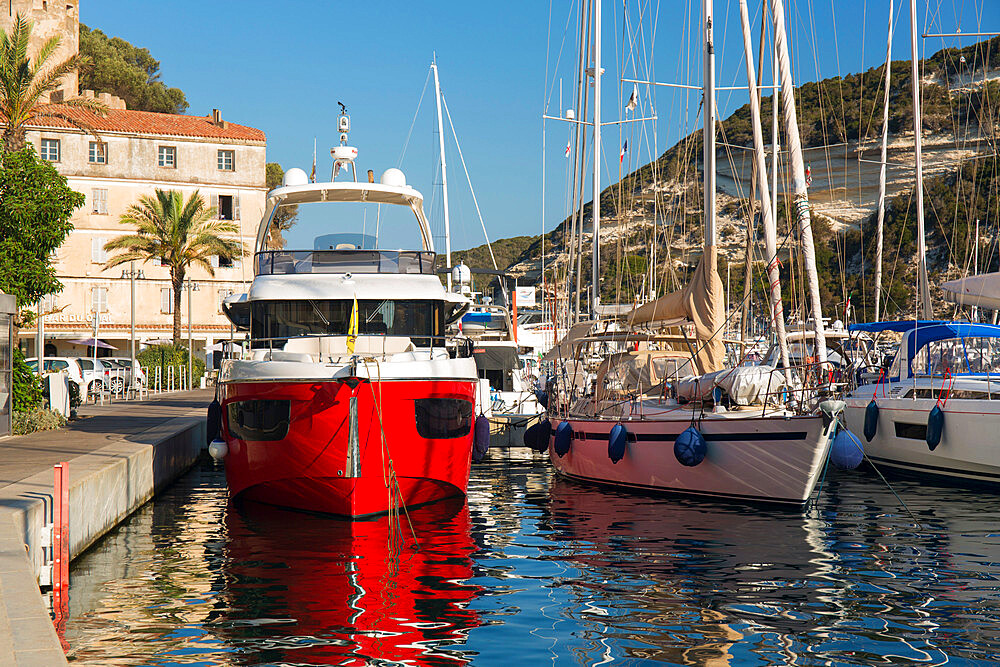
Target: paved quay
119 455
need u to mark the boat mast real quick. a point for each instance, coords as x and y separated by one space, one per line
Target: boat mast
444 170
595 263
924 310
879 225
708 131
801 194
770 230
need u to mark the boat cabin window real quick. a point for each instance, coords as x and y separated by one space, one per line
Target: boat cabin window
976 354
281 320
308 225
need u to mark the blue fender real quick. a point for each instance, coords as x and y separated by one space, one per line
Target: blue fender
871 420
543 437
690 447
847 452
214 425
617 443
564 437
481 438
935 427
542 397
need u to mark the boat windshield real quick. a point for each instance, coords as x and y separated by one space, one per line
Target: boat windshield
280 320
976 355
343 225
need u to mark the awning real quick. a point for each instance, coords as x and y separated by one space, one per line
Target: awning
92 342
901 326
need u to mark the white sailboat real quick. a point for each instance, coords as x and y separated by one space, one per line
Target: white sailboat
935 413
729 433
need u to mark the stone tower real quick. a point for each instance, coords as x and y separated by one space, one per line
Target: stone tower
51 18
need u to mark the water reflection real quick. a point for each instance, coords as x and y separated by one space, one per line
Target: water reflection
316 590
538 569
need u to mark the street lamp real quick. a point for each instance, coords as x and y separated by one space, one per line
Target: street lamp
191 287
132 275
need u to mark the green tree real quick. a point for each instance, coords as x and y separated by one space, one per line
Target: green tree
286 216
35 209
25 83
178 233
128 72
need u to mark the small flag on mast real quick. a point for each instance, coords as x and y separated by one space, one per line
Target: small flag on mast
352 328
621 158
567 148
312 177
633 100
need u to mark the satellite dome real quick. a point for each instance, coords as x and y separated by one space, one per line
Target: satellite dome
393 176
295 176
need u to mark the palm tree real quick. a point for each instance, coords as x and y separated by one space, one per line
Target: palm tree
178 234
24 84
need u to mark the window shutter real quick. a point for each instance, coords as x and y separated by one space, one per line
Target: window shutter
236 207
97 253
213 201
166 300
214 259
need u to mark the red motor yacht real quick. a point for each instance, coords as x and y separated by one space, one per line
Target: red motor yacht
350 398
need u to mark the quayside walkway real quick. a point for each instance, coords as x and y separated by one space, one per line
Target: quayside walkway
118 456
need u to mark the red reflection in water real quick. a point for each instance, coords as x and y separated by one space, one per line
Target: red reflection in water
318 590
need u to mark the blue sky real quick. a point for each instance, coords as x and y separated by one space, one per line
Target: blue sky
282 67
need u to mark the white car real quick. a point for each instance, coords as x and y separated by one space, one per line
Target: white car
125 367
69 365
93 375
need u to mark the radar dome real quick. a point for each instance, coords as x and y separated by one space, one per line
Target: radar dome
393 176
295 176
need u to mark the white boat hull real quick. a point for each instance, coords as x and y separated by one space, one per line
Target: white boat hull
968 450
773 459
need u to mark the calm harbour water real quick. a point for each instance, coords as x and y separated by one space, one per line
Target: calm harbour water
535 569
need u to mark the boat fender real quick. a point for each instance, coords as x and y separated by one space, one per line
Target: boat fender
543 437
542 397
690 447
617 443
530 436
214 424
935 427
564 436
847 452
218 449
481 438
871 420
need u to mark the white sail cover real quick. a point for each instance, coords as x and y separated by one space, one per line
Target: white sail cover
745 385
702 303
982 291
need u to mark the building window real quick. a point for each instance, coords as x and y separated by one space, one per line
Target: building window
50 150
225 262
98 255
227 160
227 207
167 300
98 153
100 199
167 156
100 299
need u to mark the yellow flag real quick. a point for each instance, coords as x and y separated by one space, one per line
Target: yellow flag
352 328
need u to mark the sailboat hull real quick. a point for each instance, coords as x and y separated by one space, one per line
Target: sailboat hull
766 459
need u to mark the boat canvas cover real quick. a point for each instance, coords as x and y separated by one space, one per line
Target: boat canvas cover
745 385
496 357
982 291
702 303
635 373
564 348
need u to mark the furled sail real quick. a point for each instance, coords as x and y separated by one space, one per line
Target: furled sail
702 303
982 291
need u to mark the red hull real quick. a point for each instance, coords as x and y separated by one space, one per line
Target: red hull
306 467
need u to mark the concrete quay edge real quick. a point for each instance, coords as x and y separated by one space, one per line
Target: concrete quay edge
106 486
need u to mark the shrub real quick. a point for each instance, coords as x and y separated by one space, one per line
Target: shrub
36 419
27 388
168 355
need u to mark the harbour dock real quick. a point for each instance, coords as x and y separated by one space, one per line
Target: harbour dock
119 456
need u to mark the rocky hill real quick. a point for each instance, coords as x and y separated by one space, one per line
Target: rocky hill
840 126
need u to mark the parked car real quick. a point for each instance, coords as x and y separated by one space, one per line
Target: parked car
124 366
69 365
96 378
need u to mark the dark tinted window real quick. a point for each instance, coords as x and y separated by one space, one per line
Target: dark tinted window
443 417
259 420
288 319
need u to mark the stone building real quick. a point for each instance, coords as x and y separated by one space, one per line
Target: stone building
129 154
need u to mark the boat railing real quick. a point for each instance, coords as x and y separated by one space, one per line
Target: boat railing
276 262
456 346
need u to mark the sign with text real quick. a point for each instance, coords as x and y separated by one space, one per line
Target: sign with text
524 296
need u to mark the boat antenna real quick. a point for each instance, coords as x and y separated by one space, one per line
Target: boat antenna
344 155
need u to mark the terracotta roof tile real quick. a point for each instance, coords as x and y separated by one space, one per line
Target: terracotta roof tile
148 122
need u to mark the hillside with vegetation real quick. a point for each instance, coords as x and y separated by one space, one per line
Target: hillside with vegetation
960 97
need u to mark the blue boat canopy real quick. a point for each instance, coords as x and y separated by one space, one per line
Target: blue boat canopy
924 335
901 326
